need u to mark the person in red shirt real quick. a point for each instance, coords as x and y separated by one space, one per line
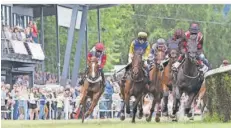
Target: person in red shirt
34 31
193 30
99 52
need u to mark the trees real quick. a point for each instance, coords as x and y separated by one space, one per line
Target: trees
120 24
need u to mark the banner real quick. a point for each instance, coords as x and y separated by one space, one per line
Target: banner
19 47
36 51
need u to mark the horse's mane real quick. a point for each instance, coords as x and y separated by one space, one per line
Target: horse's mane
94 59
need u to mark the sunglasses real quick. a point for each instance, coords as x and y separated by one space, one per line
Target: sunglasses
144 39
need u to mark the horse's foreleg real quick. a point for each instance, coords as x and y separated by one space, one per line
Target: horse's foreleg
82 98
135 107
165 99
127 95
158 107
149 118
84 92
141 107
189 104
177 93
95 100
83 109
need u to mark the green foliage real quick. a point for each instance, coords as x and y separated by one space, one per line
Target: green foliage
219 97
120 25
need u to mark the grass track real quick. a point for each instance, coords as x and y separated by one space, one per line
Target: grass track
108 123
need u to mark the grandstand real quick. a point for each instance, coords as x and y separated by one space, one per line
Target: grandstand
21 57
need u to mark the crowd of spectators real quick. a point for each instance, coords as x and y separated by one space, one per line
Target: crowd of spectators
29 34
49 78
45 103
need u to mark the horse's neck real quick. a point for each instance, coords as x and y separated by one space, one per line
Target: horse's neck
189 67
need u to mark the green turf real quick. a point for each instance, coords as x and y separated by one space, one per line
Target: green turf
108 124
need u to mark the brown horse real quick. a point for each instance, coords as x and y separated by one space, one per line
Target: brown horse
202 98
134 86
156 87
167 78
93 87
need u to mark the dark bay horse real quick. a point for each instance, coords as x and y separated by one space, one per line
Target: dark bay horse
188 80
134 86
156 87
167 78
93 87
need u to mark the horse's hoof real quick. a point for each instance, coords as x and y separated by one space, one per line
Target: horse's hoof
140 116
191 118
133 121
146 115
128 111
157 119
165 114
189 115
172 116
174 120
148 119
122 117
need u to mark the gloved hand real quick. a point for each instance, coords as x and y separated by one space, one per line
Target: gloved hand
144 58
129 60
146 63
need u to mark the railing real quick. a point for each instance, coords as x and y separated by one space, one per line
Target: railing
54 113
218 70
51 114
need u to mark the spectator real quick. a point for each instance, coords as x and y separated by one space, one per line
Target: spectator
28 34
34 31
15 97
60 100
23 35
33 105
7 33
225 63
3 99
14 34
42 100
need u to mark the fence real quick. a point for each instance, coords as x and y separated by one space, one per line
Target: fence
112 111
53 112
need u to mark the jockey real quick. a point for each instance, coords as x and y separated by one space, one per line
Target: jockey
193 30
174 42
160 45
98 52
140 44
225 63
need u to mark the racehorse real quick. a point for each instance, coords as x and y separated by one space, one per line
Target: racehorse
156 87
188 80
202 98
167 79
134 86
93 87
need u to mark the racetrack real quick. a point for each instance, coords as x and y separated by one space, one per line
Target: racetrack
108 123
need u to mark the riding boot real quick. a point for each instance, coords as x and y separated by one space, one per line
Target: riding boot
202 67
147 74
102 75
176 65
165 108
84 77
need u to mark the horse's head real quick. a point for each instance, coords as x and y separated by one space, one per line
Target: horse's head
192 48
137 64
93 68
174 54
159 56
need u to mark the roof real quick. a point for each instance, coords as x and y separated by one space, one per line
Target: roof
50 9
91 6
